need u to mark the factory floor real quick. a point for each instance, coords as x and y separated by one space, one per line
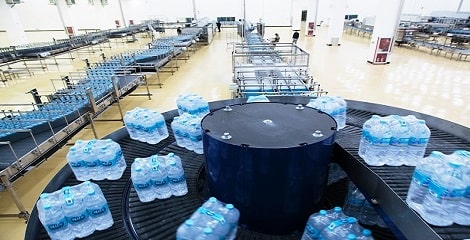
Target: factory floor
414 80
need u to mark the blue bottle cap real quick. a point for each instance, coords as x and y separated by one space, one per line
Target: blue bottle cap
338 209
229 206
189 222
323 212
351 236
366 232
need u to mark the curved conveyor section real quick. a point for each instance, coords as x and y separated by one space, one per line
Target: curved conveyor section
159 219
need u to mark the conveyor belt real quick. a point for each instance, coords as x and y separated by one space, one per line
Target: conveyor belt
160 218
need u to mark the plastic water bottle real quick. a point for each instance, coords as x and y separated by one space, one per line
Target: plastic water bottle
354 202
176 158
207 235
161 129
419 138
232 215
77 216
339 229
177 180
195 135
54 221
159 179
141 181
366 234
378 144
341 111
336 213
399 141
422 176
177 131
93 165
77 164
97 208
213 204
365 138
461 215
187 231
216 221
445 191
112 160
315 224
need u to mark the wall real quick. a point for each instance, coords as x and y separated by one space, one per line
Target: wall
272 12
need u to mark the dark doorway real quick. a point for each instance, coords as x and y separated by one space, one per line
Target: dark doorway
304 15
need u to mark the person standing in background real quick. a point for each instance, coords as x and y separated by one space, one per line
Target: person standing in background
178 30
295 37
218 25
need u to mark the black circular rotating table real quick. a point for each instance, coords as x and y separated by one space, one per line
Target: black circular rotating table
159 219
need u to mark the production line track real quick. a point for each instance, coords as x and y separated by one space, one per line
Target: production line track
160 218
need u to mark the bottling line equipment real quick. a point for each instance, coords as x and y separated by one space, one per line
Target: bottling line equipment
261 67
29 133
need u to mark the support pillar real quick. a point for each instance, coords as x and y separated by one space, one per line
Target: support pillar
13 25
386 23
296 15
67 22
336 26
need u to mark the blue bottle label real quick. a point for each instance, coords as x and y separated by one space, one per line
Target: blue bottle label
195 138
76 164
93 163
399 141
54 227
77 219
141 186
441 192
159 183
177 179
418 141
379 141
96 212
312 231
107 163
421 178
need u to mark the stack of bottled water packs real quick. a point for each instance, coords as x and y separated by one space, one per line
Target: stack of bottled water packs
187 126
335 106
333 224
213 220
145 125
158 177
440 188
96 160
192 104
356 205
74 212
394 140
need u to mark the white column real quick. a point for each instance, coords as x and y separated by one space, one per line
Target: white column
336 26
124 23
64 15
13 25
312 12
385 27
296 15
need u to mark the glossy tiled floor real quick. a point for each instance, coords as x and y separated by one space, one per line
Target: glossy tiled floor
414 80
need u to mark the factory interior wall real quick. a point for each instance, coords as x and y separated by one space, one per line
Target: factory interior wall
272 12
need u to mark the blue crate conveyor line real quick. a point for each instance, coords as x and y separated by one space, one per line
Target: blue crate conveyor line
261 67
28 137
